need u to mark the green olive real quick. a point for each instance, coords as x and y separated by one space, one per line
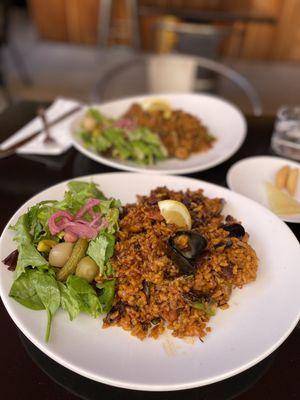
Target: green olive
87 269
60 254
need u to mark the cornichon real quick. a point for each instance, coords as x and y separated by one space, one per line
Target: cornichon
77 254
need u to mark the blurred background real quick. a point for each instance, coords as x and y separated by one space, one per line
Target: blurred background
94 50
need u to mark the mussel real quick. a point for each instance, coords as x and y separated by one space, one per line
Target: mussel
146 289
185 258
235 230
116 313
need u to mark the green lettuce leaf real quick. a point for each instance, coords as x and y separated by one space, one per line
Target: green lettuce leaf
28 254
78 194
101 144
101 249
107 294
69 301
47 290
24 292
110 210
96 114
85 295
37 290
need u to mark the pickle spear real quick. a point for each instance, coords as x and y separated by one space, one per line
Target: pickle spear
77 254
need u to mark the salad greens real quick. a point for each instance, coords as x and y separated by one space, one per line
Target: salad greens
101 249
121 139
107 295
35 283
28 254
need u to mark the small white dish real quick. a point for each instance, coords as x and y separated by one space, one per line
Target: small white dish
249 175
225 121
259 319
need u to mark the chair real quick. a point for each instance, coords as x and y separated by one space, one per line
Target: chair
167 73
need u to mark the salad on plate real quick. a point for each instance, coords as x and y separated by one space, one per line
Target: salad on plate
62 259
121 139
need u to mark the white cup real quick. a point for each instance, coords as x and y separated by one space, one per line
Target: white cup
171 73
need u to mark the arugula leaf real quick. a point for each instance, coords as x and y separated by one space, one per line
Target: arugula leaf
107 296
24 292
28 254
85 295
69 301
101 249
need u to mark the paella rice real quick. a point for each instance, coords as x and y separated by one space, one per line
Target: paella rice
152 293
181 132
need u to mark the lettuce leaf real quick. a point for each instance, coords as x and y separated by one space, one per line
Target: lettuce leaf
38 291
85 296
28 254
24 292
69 301
101 249
96 114
106 297
78 194
47 290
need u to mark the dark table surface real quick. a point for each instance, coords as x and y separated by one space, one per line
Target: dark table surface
27 373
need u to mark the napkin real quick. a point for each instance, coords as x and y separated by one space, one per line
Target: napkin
61 131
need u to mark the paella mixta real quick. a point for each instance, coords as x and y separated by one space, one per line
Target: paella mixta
174 278
168 261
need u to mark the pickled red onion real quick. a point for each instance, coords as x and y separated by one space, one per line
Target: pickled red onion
75 224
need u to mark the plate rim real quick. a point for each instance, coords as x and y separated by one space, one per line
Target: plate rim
178 171
141 386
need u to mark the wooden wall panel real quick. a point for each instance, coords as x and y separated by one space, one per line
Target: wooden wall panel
50 18
259 37
286 45
81 20
77 20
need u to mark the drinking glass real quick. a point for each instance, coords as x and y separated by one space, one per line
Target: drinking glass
286 135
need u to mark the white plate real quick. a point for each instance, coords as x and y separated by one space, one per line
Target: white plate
225 122
259 319
248 177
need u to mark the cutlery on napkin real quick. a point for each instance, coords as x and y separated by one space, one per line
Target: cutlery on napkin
60 116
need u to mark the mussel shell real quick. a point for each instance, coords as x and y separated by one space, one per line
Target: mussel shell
185 267
197 242
184 260
196 296
235 230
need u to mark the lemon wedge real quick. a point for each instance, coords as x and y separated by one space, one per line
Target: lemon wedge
175 213
280 202
158 105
